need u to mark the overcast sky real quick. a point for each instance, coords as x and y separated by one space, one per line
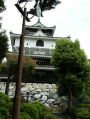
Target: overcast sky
71 17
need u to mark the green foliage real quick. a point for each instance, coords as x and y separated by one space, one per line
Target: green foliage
86 99
70 83
30 109
37 111
28 66
5 98
12 63
87 88
69 57
72 68
4 113
82 113
24 115
48 116
47 4
5 103
78 112
44 5
42 110
33 110
2 6
86 106
3 46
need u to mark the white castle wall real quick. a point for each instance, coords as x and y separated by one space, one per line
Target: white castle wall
29 43
32 43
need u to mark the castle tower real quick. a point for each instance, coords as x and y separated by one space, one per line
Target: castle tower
39 43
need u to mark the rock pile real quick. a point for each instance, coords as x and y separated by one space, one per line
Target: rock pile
44 93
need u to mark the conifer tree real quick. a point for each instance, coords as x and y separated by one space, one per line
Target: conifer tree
3 38
2 6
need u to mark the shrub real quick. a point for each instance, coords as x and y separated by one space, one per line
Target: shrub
4 100
48 115
37 111
70 111
82 113
24 115
4 97
41 109
30 109
4 113
33 110
85 105
5 104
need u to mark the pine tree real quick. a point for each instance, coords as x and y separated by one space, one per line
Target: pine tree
2 6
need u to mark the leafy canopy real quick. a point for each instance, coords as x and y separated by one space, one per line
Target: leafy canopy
10 68
44 5
2 6
47 4
70 58
71 66
3 46
28 66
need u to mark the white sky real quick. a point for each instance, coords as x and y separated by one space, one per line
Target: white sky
71 17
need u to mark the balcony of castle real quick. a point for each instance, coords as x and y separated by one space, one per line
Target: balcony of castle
35 52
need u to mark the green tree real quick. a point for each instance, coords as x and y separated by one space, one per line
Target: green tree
11 66
47 4
44 5
3 38
72 68
87 88
2 6
3 46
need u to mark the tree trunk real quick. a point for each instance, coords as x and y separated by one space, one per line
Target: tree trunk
7 85
70 103
70 100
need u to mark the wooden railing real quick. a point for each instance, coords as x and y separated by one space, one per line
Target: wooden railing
35 51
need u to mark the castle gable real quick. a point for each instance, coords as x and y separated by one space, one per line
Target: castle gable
35 29
39 33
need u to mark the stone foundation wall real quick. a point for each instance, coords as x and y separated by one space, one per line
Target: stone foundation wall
44 93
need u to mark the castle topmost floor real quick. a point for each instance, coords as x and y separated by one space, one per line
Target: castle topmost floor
39 29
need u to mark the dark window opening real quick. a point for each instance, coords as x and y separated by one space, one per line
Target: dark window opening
40 43
13 42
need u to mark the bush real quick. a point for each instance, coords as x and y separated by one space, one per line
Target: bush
48 115
4 97
33 110
37 111
42 110
70 111
5 101
30 109
5 106
82 113
24 115
79 112
4 113
87 106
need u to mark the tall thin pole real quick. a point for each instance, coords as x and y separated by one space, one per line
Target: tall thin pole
17 98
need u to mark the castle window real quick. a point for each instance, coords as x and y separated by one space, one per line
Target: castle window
13 43
40 43
0 25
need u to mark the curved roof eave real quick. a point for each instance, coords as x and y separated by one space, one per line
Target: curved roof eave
40 25
44 27
35 37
